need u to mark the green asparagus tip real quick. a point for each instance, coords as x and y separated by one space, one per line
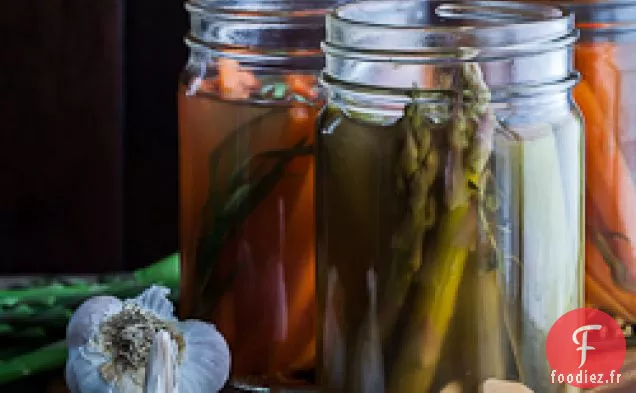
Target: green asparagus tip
164 272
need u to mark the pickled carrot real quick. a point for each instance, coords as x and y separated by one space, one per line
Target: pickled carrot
307 356
234 82
302 85
595 61
268 315
601 290
609 186
273 297
301 251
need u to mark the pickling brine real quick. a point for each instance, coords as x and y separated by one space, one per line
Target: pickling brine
248 229
248 103
467 273
449 210
605 57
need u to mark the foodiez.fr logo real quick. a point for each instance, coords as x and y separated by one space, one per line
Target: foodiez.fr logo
586 348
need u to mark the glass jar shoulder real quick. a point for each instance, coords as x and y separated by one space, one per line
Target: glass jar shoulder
230 80
530 120
518 115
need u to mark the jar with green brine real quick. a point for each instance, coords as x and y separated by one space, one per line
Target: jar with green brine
449 195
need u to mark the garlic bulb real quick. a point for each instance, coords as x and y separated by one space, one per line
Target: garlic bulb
139 346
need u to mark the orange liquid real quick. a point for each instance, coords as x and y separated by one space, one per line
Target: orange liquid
606 98
268 313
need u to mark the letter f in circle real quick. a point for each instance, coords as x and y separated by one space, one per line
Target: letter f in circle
584 347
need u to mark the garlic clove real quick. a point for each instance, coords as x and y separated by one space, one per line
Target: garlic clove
162 365
69 372
155 299
499 386
87 318
83 372
126 385
205 366
453 387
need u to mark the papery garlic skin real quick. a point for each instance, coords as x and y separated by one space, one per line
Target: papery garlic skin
194 352
205 367
88 316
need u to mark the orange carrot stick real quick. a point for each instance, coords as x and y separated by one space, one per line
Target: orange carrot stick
307 356
599 296
595 61
234 82
301 315
608 180
597 270
302 85
300 253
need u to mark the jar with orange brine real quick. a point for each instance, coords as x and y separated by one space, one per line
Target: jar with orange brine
248 101
605 55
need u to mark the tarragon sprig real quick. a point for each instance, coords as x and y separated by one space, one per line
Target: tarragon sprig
231 201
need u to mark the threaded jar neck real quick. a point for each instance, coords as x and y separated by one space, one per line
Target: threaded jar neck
408 41
275 32
603 20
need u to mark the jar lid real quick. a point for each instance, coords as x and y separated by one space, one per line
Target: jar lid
606 17
395 44
259 31
271 7
590 13
488 28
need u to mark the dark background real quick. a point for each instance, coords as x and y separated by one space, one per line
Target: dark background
88 133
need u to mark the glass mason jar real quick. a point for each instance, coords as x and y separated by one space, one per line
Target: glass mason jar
605 57
449 195
248 102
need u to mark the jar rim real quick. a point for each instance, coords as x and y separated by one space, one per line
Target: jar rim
289 8
396 48
506 10
492 27
607 16
271 32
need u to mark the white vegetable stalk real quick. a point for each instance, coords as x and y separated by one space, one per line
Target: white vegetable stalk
139 346
549 242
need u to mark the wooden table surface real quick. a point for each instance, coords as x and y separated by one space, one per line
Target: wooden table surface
52 382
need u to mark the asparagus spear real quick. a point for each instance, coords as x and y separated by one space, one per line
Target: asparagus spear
469 149
163 272
53 304
415 368
417 171
32 316
46 358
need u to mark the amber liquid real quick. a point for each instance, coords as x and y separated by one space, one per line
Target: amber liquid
266 260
